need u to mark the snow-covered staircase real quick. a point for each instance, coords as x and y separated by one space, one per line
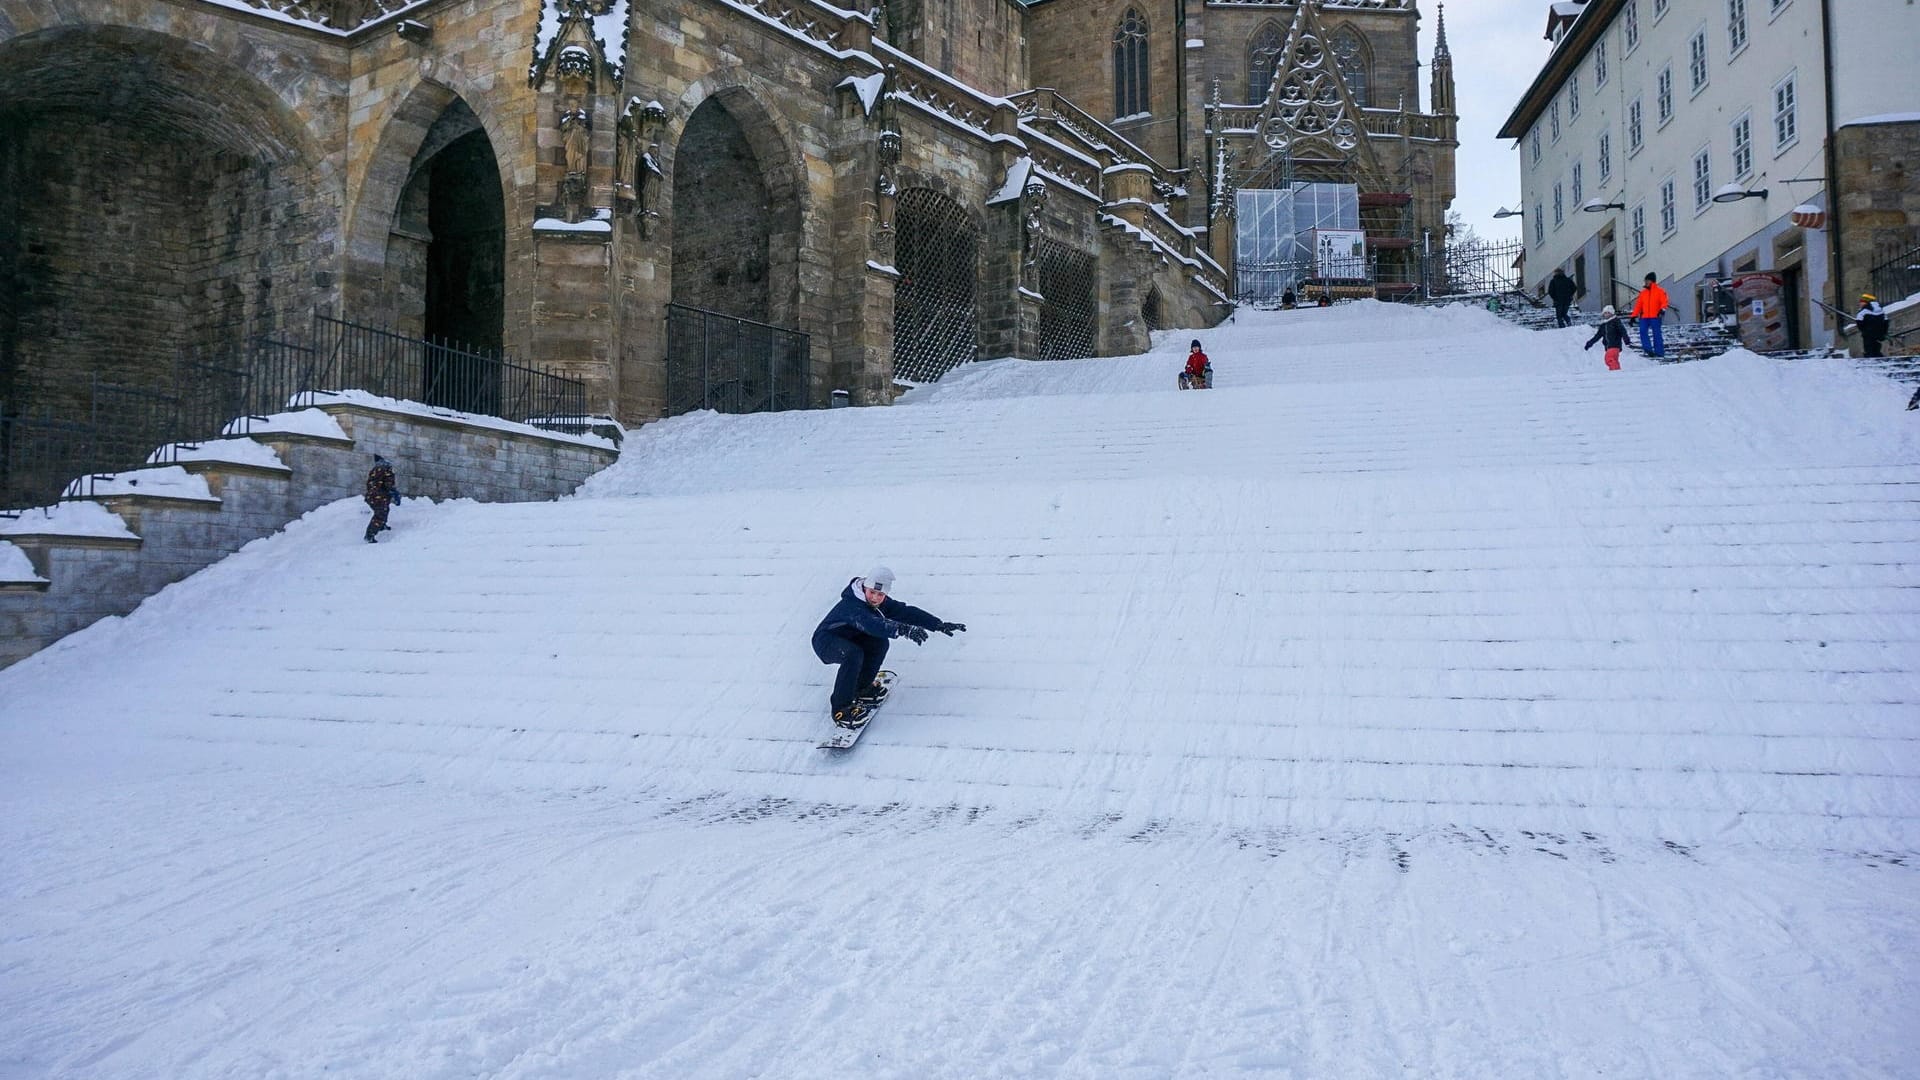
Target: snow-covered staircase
1411 569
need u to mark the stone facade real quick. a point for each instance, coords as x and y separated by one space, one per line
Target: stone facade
89 578
1878 203
546 178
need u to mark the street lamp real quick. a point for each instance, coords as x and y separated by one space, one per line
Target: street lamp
1595 206
1503 212
1733 193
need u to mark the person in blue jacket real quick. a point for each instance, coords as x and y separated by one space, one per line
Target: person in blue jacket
855 635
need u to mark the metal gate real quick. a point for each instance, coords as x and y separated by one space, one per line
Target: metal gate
934 316
1067 314
732 365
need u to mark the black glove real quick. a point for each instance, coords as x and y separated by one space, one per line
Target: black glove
1587 346
396 498
914 634
948 628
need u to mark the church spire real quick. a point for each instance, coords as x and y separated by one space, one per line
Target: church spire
1440 93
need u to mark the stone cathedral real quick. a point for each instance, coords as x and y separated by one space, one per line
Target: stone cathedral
632 191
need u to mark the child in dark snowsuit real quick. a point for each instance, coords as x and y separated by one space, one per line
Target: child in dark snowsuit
855 636
1612 333
380 494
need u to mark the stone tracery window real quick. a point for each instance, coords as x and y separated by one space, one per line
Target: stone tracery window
1130 66
1350 56
1262 57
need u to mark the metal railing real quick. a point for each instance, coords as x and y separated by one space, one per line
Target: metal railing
1896 275
48 454
732 365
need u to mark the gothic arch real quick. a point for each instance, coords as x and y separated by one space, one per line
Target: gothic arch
1132 63
141 175
780 169
390 237
1353 57
1263 55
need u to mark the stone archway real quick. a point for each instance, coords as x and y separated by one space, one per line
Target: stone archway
145 187
935 305
723 218
428 246
734 214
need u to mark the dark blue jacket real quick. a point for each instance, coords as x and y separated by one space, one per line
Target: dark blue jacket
853 617
1612 334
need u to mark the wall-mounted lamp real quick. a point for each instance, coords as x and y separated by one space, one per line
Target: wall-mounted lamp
417 32
1503 212
1595 206
1734 193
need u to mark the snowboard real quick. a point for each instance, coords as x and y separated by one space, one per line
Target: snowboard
843 739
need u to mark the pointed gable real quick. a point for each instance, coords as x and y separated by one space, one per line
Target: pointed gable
1309 112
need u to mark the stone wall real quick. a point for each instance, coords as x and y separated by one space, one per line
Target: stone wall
434 457
1879 200
1075 57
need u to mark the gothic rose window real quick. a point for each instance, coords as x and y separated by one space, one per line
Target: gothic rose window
1130 66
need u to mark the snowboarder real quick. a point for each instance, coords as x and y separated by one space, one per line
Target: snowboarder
855 634
1612 333
1647 309
1198 374
1561 290
1872 321
381 493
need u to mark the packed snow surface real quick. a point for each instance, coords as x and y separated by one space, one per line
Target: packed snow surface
1425 700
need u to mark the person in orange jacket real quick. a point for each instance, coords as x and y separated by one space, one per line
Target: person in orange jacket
1647 309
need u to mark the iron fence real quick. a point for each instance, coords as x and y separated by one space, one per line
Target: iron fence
1896 275
45 456
732 365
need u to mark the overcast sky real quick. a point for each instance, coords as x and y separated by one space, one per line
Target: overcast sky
1497 50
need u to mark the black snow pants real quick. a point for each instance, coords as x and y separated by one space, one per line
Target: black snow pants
859 658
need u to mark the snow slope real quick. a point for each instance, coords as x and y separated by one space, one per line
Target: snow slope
1425 700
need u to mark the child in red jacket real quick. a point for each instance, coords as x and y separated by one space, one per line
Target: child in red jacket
1198 374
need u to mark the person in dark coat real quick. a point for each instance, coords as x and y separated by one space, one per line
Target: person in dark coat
1288 300
1612 333
381 493
1872 320
1560 290
855 635
1326 300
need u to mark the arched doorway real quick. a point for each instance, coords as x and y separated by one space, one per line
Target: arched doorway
156 203
935 314
735 234
446 263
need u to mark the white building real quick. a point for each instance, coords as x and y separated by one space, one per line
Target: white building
1647 109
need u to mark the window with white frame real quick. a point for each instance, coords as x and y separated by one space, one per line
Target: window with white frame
1573 98
1579 187
1539 225
1535 138
1669 209
1559 205
1600 63
1736 26
1743 146
1630 24
1638 232
1697 60
1660 9
1702 179
1786 118
1663 94
1553 119
1778 4
1606 155
1633 127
